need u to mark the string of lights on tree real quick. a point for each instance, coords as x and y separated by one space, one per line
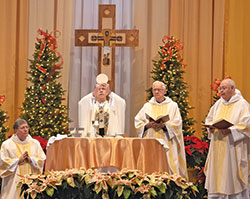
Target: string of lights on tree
3 119
170 69
42 107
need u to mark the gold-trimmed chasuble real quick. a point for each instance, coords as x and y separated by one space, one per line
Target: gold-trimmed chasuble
101 121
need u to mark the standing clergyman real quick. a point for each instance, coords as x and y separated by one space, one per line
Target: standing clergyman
227 166
102 112
20 155
169 130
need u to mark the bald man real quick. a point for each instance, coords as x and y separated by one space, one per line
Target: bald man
168 132
227 165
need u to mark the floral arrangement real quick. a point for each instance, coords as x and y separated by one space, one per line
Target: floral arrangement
124 184
196 154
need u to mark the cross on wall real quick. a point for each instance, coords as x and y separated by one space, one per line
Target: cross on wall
106 37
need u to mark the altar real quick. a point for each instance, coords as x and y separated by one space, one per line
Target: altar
146 155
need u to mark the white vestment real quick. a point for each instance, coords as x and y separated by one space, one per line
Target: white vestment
173 139
116 109
227 165
11 150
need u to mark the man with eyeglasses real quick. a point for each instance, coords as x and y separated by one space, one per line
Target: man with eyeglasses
227 166
102 112
167 131
20 155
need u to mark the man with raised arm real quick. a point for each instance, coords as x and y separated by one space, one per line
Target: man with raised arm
160 118
227 165
102 112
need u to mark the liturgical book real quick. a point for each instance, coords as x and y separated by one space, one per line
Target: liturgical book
219 124
158 119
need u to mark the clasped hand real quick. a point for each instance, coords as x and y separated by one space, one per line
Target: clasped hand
24 157
223 131
155 125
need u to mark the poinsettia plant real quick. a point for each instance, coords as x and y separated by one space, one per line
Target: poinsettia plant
196 154
124 184
42 142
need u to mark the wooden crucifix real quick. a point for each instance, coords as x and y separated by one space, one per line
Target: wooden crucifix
106 38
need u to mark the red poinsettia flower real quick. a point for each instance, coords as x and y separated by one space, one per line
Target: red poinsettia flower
188 149
42 141
193 138
200 147
196 144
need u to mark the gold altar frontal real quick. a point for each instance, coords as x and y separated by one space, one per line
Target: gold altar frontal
146 155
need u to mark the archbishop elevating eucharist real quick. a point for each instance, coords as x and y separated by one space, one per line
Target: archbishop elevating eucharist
102 112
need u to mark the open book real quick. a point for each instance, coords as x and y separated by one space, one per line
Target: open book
158 119
219 124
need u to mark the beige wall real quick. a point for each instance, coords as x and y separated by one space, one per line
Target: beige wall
13 55
200 27
152 20
237 45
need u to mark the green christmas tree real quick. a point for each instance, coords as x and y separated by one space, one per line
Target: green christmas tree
42 107
170 69
3 119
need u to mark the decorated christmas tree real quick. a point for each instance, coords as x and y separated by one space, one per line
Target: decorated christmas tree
170 69
3 119
42 107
